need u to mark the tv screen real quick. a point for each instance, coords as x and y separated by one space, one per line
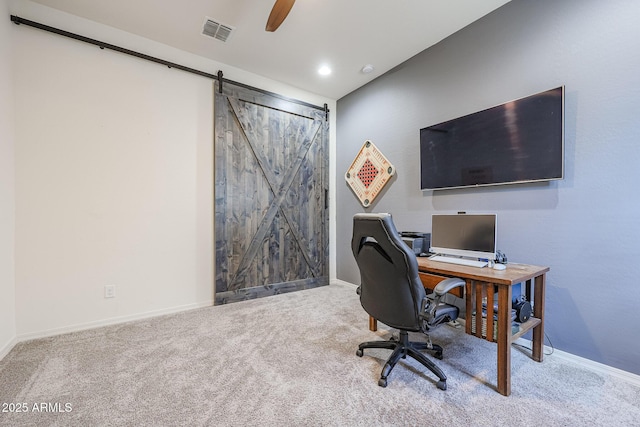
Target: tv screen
518 141
468 235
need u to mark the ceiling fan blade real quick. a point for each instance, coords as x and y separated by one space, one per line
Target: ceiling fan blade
279 12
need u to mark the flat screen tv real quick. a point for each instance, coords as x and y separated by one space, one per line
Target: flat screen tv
465 235
518 141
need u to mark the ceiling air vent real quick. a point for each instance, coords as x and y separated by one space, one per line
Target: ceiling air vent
215 29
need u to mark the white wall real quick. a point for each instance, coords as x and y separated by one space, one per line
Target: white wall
114 176
7 195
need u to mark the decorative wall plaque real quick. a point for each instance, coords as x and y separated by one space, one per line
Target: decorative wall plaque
369 173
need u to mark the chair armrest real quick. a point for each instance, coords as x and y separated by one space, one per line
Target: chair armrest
432 312
446 286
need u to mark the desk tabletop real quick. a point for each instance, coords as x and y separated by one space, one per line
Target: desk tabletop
514 273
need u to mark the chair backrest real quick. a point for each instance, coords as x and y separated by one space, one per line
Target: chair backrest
390 287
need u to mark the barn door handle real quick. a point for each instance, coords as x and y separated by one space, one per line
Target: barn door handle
326 198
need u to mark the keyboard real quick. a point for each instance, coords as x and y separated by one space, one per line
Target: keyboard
459 261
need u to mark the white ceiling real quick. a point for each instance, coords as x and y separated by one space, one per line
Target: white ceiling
344 34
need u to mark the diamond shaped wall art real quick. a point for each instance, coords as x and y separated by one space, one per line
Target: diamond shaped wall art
369 173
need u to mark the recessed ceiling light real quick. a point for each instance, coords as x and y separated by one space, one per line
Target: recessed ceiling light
367 68
324 70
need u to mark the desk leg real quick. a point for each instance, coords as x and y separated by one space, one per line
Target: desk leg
468 293
504 340
538 311
373 324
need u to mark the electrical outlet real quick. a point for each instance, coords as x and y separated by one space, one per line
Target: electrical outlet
110 291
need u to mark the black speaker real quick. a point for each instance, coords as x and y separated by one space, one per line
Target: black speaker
522 308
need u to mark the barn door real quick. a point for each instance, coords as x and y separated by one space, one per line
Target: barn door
271 181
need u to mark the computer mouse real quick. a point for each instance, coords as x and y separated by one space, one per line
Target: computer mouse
498 266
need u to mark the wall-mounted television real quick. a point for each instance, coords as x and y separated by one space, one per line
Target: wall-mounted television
518 141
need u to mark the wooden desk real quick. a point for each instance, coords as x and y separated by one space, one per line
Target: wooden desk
481 283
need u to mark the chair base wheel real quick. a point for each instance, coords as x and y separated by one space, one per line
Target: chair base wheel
403 348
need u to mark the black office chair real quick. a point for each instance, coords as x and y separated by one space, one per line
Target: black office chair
391 291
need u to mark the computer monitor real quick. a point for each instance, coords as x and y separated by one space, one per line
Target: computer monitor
465 235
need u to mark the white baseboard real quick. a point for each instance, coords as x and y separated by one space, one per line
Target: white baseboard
341 282
596 367
110 321
8 347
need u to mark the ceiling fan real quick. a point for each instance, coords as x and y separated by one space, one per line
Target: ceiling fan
278 14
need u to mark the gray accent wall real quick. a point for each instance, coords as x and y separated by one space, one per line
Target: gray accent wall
586 228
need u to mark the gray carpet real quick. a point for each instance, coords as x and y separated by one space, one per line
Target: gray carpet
289 360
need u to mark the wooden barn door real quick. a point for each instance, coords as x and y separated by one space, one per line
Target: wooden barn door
271 181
